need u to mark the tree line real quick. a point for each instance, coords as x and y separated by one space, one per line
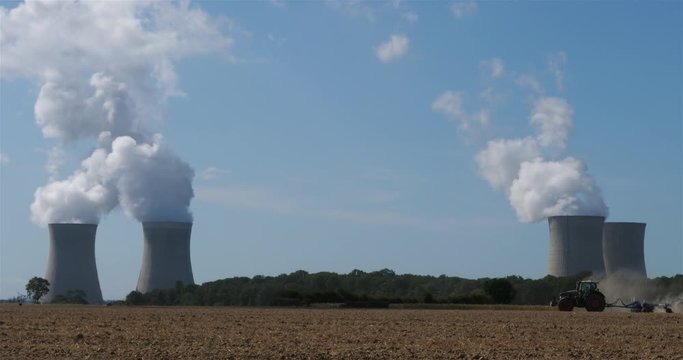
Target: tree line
375 289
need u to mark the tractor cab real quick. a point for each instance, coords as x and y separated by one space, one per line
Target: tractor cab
586 287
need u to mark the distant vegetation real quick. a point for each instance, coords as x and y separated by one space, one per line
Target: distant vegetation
72 296
371 289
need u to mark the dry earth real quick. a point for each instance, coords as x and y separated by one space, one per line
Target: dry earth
53 331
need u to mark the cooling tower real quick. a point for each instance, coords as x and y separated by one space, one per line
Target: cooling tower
575 245
71 262
623 249
166 257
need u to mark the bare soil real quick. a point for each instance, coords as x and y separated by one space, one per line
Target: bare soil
119 332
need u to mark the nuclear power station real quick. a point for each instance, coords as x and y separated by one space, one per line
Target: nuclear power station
588 243
575 245
623 249
71 262
166 256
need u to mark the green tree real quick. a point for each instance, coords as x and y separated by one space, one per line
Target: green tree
500 290
36 288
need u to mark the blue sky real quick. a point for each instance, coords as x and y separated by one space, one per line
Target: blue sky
315 149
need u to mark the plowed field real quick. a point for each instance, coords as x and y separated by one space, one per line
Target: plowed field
119 332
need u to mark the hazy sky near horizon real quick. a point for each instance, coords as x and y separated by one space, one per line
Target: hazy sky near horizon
341 135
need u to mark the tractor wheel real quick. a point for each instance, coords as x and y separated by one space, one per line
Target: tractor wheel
565 304
595 302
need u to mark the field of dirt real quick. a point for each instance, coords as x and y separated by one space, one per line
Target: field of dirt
119 332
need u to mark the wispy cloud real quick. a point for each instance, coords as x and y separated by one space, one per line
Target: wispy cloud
381 196
278 41
492 97
450 103
4 159
234 27
462 9
384 218
353 8
56 158
394 48
254 198
263 199
212 172
278 3
409 16
556 64
493 68
448 225
530 82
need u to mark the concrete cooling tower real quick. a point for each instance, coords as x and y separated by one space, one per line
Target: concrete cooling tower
166 257
71 262
623 249
575 245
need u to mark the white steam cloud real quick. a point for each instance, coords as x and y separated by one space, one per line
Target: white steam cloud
72 111
535 186
105 70
147 180
500 162
154 184
81 198
548 188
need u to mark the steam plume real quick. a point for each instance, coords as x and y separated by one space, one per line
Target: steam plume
81 198
70 111
105 70
554 116
535 186
153 183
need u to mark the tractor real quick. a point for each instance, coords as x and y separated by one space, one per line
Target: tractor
586 295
